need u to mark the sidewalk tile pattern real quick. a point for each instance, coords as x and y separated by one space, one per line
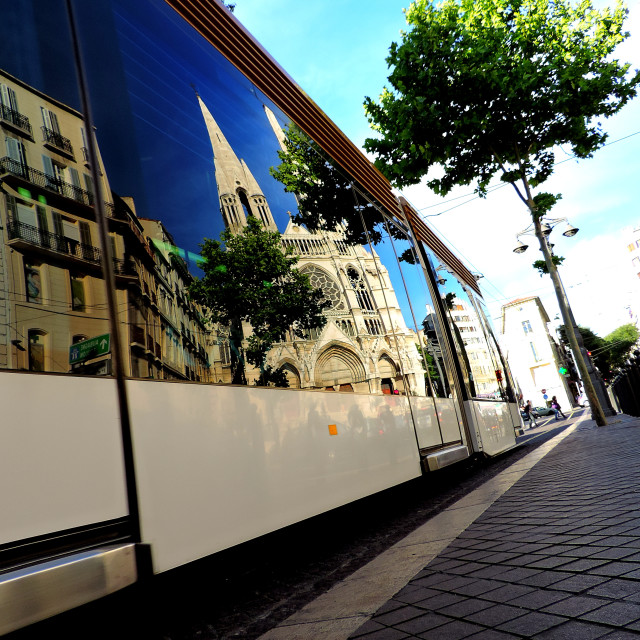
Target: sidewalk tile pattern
556 557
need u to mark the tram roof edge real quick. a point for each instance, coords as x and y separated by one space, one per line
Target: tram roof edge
217 24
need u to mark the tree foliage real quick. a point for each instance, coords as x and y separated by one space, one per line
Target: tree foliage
541 265
621 342
326 197
250 277
610 352
486 87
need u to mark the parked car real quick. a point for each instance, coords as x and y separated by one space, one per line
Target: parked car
542 411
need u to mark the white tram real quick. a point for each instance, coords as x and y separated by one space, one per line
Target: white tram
113 467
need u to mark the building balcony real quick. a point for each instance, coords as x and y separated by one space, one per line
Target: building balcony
15 121
137 337
57 142
60 193
124 268
26 236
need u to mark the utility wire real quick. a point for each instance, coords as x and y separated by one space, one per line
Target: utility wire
495 187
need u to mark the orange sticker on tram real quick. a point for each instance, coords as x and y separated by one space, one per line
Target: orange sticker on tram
333 430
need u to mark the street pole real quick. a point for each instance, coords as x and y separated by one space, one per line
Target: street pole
567 317
596 380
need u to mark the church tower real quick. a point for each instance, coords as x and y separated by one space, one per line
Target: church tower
240 195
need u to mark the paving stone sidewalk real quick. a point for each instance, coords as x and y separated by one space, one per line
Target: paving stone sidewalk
557 556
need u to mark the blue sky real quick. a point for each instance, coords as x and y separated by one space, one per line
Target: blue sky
336 52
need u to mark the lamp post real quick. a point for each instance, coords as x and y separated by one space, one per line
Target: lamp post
598 398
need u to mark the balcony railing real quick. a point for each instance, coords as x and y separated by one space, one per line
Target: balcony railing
60 244
57 140
51 183
124 267
15 118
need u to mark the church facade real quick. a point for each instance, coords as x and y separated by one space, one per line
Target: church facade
365 345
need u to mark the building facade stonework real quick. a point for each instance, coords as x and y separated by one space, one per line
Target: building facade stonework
357 350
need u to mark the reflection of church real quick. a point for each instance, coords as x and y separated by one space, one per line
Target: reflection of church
356 350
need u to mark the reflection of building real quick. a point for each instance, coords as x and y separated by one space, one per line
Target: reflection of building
50 262
356 350
161 309
240 195
533 354
52 290
481 364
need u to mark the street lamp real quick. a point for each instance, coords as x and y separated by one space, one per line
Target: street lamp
521 247
596 393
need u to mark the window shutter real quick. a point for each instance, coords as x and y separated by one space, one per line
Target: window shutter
75 177
13 149
85 233
46 121
57 223
8 97
88 181
11 207
54 122
42 218
47 163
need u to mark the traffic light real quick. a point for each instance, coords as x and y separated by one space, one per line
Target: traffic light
563 371
589 353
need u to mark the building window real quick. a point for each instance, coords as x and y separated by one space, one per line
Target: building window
526 325
536 357
17 153
359 286
78 300
36 350
33 283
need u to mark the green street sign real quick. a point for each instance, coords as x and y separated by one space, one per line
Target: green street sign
91 348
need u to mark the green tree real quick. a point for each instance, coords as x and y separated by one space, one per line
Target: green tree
619 344
610 352
326 197
481 88
250 277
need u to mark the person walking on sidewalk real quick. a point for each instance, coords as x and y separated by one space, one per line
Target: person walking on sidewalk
555 405
526 410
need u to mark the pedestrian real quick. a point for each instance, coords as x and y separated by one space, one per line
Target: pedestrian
555 405
526 410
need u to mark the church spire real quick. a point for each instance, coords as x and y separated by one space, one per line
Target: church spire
239 193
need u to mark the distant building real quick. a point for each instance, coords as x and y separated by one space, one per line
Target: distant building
534 356
480 365
633 247
52 290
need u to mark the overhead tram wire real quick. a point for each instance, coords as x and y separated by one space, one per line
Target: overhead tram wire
490 190
495 187
451 245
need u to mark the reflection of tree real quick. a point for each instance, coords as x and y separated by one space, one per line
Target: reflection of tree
252 279
325 196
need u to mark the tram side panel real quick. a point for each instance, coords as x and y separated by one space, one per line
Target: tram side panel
61 456
217 466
